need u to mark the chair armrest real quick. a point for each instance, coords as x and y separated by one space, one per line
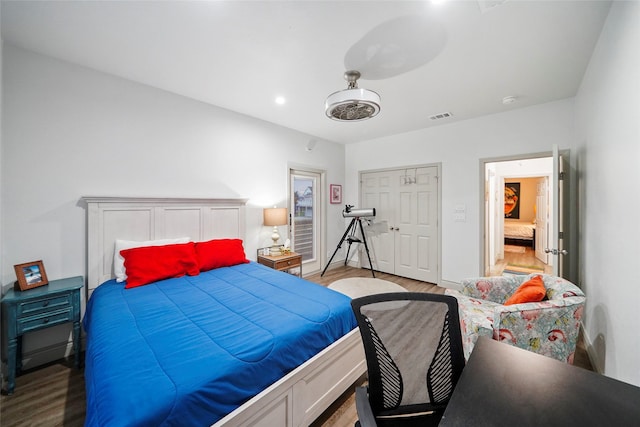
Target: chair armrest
476 319
558 288
363 408
547 327
495 288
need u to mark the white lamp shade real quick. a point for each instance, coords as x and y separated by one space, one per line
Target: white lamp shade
275 216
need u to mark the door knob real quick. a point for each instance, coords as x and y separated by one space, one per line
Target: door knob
555 251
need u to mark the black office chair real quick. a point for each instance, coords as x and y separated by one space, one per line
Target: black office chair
413 347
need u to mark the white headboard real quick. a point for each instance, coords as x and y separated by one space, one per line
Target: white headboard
144 218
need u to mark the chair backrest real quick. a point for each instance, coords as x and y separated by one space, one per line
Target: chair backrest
413 347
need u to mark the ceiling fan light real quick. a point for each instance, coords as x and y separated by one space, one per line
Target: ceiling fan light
352 105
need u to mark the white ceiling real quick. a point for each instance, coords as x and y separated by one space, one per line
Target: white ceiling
422 58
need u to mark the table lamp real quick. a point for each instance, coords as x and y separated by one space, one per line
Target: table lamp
275 217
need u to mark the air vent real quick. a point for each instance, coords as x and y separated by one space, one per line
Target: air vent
441 116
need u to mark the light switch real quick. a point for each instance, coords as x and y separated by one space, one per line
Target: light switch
460 213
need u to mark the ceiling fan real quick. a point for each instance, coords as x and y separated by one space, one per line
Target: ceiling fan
352 103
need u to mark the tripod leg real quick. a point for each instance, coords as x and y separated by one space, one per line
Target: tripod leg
351 238
344 236
346 258
366 247
350 232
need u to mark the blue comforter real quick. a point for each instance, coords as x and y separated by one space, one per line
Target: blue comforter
188 351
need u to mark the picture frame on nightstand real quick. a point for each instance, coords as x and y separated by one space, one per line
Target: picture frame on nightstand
30 275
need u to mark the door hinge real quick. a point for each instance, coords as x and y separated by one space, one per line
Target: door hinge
560 234
561 176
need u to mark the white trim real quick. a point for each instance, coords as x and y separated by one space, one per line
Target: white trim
451 285
591 351
48 354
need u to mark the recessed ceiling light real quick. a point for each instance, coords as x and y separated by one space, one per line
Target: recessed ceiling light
281 100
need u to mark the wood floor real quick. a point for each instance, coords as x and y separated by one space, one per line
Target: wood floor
528 257
54 395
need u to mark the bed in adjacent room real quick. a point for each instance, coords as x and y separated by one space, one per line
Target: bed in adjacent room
520 233
228 342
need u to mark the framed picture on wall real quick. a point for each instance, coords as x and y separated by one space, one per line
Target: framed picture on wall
335 194
512 200
30 275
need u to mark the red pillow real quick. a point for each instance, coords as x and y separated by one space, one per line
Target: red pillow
530 291
152 263
220 253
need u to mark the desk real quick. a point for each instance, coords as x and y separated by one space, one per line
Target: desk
35 309
505 385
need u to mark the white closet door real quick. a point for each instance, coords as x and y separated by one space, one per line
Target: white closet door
403 238
416 225
378 192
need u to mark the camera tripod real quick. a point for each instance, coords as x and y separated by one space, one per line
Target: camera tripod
350 236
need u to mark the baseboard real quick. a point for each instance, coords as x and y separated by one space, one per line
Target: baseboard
591 353
334 264
451 285
353 263
45 355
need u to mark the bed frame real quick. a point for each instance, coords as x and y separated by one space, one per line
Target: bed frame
521 240
295 400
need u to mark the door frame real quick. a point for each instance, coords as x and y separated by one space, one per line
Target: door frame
570 223
322 211
438 167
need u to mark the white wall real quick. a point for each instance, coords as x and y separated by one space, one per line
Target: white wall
71 132
608 142
460 146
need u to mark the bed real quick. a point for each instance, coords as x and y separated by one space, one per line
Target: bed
520 233
235 345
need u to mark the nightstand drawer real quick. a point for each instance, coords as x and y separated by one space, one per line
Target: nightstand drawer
31 323
282 262
49 304
287 263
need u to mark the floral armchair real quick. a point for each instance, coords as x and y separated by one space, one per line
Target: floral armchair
549 327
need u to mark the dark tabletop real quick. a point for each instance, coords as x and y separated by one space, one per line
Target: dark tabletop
505 385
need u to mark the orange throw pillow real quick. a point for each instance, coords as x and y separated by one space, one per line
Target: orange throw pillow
530 291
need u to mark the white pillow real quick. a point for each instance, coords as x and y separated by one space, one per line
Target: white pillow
118 260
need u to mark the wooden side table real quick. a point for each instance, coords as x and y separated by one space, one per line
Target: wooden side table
282 262
35 309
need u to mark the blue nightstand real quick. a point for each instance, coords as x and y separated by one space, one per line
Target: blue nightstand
35 309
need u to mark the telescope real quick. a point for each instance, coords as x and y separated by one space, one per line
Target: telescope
349 212
350 236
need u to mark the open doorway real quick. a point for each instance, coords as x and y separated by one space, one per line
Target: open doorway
518 222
